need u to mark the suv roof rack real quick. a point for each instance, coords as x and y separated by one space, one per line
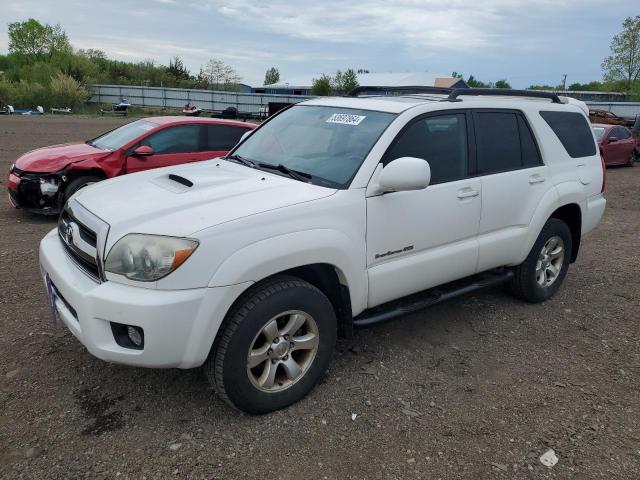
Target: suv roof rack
404 90
453 93
502 92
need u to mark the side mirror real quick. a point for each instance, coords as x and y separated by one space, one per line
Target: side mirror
405 173
612 139
245 135
143 151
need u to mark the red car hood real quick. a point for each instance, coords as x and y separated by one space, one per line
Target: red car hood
56 157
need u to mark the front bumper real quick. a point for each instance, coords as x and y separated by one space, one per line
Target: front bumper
179 325
24 192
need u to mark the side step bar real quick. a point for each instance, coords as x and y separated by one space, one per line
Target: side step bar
418 301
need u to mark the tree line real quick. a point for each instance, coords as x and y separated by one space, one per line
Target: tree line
42 68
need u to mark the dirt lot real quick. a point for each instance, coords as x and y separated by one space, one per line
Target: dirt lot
476 388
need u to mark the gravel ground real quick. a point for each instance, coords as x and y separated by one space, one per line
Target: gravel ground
476 388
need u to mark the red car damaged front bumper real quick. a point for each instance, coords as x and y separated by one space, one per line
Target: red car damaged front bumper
12 184
26 191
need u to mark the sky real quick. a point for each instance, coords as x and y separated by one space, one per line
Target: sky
526 42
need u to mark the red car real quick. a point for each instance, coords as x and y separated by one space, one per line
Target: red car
617 145
41 180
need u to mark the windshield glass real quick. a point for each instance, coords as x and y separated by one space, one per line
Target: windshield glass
599 131
121 136
327 143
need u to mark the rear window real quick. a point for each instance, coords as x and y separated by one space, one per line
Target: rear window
573 131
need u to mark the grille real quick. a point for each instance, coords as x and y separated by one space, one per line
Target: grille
80 243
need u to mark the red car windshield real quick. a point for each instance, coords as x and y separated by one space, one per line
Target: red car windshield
599 131
119 137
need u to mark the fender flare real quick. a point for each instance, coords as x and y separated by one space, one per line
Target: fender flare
297 249
563 194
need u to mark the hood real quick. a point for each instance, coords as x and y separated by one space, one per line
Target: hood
182 200
56 157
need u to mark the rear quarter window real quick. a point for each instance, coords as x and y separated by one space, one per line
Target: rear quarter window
573 131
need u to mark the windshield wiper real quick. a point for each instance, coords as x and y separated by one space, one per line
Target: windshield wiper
295 174
242 160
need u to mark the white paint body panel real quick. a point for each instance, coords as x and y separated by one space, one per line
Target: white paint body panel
438 229
252 224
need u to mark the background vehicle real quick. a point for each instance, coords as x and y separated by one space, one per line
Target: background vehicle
41 180
617 145
605 117
333 214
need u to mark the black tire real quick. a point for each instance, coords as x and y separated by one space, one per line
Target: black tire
76 184
632 159
226 366
524 283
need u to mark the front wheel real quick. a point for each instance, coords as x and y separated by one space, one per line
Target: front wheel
78 184
274 346
543 271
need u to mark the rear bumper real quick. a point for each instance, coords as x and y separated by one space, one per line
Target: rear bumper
179 325
593 212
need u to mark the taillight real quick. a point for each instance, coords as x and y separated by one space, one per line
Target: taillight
604 173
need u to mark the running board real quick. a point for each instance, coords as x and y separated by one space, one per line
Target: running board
421 300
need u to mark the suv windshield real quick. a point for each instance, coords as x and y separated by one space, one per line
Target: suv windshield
328 144
121 136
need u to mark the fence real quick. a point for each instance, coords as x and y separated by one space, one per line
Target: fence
250 102
178 97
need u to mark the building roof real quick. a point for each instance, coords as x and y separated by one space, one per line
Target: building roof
376 79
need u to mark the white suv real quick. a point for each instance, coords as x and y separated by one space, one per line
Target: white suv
335 213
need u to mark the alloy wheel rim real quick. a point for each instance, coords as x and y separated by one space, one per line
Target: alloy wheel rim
282 351
550 261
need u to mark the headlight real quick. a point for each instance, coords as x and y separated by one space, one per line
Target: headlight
148 258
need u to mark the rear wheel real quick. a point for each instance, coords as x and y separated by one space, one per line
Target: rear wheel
633 159
274 346
543 271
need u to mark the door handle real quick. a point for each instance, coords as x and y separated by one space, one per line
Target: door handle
536 178
468 193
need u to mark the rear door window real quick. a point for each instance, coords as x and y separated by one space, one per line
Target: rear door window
529 147
497 142
504 142
223 137
573 131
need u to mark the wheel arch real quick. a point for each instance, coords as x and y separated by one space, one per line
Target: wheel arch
90 171
571 214
327 278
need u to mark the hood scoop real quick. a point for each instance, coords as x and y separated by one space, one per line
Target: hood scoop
174 183
181 180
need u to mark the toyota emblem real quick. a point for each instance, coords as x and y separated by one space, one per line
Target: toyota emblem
68 234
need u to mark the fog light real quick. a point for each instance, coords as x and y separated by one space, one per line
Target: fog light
135 335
